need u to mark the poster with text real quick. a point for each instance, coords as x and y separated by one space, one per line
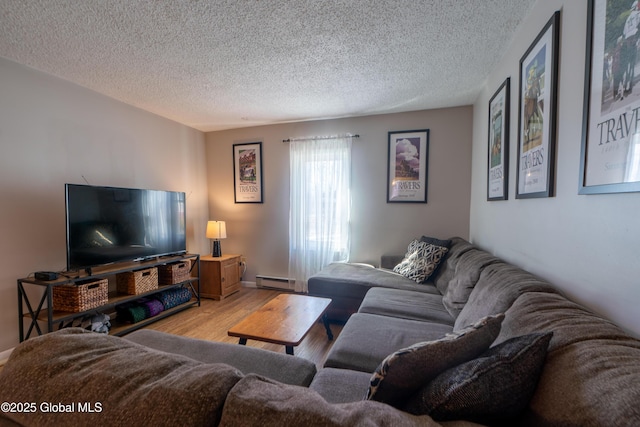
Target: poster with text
537 111
498 168
610 160
247 172
407 166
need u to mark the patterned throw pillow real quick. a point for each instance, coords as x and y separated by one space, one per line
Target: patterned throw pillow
403 373
421 260
497 385
438 242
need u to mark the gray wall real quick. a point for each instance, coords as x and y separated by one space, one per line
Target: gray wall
260 231
586 245
53 132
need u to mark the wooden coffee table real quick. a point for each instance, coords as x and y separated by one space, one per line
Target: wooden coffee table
284 320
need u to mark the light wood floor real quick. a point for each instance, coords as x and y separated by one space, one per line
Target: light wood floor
213 318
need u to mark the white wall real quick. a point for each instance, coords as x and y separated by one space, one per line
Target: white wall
586 245
260 231
53 132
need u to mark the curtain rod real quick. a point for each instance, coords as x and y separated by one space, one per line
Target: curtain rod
313 138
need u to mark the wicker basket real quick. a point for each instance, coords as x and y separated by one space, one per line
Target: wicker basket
81 296
177 272
137 282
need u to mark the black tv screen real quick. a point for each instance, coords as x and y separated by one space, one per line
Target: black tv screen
109 224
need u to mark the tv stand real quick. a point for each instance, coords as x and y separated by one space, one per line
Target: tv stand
35 297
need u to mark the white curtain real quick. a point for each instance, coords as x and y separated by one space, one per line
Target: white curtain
320 205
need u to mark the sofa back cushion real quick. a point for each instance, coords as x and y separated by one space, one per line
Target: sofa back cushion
497 288
131 384
257 401
447 268
248 360
592 370
467 272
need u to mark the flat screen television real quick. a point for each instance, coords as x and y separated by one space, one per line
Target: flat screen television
108 224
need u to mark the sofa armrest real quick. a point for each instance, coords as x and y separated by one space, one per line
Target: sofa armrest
390 261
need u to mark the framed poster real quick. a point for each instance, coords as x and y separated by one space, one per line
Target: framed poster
247 172
407 166
610 155
537 114
498 168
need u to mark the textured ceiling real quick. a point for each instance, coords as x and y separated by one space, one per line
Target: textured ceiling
216 65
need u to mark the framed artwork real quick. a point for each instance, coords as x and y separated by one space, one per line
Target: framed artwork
610 155
247 172
537 114
407 166
498 166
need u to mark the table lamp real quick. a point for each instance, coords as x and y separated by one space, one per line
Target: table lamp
216 230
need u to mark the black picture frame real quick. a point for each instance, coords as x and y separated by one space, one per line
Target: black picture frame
498 143
537 109
610 150
408 166
247 172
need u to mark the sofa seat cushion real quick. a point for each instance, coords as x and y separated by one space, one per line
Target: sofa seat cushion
592 370
133 385
367 339
248 360
347 284
497 288
341 385
406 305
260 402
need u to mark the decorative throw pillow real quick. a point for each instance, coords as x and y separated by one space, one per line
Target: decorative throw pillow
498 384
420 261
433 241
403 372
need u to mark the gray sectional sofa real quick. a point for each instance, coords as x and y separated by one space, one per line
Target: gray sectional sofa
549 362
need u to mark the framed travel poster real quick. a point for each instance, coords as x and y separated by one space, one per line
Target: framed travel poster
537 114
407 166
498 169
610 157
247 172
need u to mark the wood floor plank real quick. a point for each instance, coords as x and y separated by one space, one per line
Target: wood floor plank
213 319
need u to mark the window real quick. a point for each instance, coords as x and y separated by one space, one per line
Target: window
320 205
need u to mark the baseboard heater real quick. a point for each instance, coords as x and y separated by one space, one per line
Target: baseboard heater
271 282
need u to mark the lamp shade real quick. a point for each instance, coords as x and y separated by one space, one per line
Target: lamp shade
216 230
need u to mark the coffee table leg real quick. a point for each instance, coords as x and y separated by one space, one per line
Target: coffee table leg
325 322
289 350
243 341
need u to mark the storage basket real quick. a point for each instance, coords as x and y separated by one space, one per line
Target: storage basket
177 272
137 282
81 296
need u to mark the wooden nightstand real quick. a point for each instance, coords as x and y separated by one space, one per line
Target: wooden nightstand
220 276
